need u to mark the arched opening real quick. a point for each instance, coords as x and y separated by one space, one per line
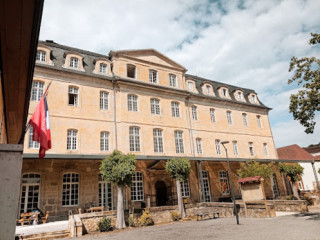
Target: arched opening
161 193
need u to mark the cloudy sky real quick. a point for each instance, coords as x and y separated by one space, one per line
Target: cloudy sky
248 43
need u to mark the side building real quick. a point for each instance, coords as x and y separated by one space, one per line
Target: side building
142 102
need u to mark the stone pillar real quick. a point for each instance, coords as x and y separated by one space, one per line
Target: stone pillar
10 177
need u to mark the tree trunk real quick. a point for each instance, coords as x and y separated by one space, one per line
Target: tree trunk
294 190
120 223
180 200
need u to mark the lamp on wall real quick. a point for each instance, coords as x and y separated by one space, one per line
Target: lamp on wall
230 180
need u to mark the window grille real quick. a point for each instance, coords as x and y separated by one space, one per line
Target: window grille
137 187
70 189
178 136
134 138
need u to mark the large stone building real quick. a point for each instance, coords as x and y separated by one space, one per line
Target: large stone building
140 102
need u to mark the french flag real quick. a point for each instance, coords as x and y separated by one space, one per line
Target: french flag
41 126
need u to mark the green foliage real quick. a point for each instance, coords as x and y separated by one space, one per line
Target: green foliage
175 216
179 168
308 199
118 168
253 168
291 197
294 171
306 102
104 225
146 218
131 221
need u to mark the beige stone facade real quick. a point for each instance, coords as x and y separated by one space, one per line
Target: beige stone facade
142 102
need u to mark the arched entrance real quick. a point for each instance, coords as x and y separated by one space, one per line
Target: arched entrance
161 193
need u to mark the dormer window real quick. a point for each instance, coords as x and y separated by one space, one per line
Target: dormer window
225 93
190 85
41 56
103 68
208 89
131 71
74 62
240 95
153 76
254 99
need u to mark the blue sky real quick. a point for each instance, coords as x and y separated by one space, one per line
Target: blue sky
248 43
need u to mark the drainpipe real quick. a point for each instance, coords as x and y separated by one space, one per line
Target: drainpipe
114 87
315 175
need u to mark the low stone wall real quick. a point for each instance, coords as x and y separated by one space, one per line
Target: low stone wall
162 214
290 205
90 220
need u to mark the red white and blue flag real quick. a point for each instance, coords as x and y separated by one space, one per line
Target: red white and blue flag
41 126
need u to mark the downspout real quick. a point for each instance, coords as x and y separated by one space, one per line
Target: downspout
114 81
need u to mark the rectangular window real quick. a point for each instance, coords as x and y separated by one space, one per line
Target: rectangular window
157 140
175 109
178 136
194 113
103 68
224 184
218 148
199 147
41 56
251 149
70 189
32 144
37 90
185 190
104 141
153 76
190 85
172 80
137 187
73 96
208 89
254 98
229 117
245 120
225 93
134 139
131 71
74 62
240 95
132 103
235 148
72 139
259 121
212 115
265 148
104 100
155 106
206 186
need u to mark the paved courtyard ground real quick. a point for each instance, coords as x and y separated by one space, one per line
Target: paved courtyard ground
295 226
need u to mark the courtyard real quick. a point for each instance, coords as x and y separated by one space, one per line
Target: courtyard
288 226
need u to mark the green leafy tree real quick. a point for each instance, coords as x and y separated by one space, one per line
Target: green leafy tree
294 172
253 168
118 168
306 102
179 169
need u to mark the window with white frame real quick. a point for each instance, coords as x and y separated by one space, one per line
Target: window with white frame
206 186
30 192
37 90
229 117
175 109
199 146
104 100
235 148
212 115
259 121
224 92
137 187
103 68
73 96
178 137
208 89
134 139
131 71
74 62
251 150
240 95
132 103
254 99
155 106
245 120
72 139
70 189
153 76
32 144
157 140
173 80
265 148
218 147
105 193
185 189
41 56
224 184
194 113
104 141
190 85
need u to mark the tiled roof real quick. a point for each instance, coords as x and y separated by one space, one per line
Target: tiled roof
317 157
249 179
313 149
293 152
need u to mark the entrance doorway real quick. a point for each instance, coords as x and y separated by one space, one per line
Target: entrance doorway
161 193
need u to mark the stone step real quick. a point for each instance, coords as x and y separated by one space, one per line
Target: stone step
46 235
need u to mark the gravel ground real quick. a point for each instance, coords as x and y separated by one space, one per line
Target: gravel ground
297 226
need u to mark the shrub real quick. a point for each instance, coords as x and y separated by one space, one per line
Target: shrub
131 221
175 216
146 218
308 199
104 225
291 197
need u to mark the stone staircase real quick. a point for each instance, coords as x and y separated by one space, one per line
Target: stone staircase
46 235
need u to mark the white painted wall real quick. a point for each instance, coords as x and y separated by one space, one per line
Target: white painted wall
308 175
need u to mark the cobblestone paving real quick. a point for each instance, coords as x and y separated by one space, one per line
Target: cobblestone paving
298 226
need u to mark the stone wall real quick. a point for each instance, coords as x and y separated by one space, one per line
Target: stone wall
290 205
